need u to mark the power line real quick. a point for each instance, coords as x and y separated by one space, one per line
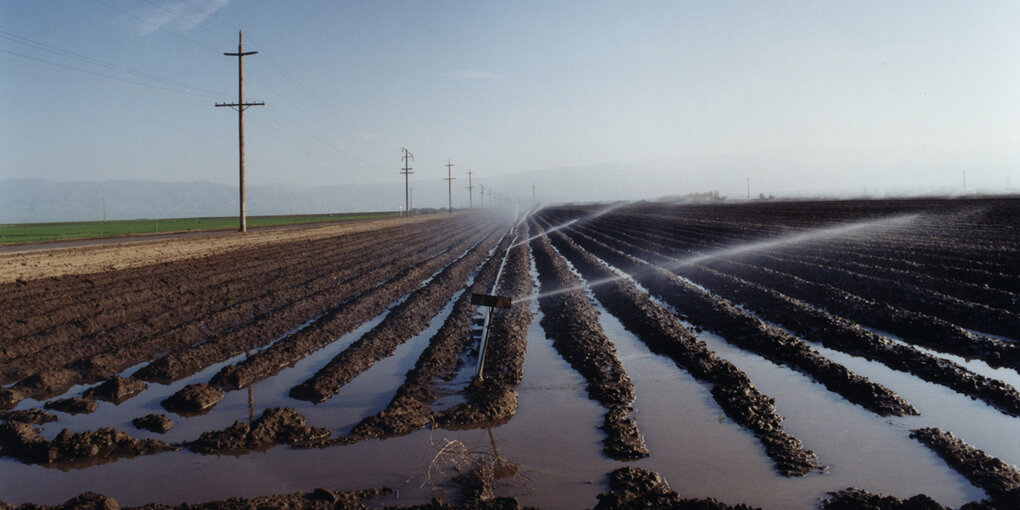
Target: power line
240 106
449 182
407 171
102 75
157 27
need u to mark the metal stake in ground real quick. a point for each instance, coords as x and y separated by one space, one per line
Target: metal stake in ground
491 302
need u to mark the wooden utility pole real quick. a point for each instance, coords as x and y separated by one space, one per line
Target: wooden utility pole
240 106
471 191
532 192
449 182
748 188
483 195
407 186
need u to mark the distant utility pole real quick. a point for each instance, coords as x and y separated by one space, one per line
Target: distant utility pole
532 192
449 182
483 195
407 186
964 180
471 191
749 188
240 106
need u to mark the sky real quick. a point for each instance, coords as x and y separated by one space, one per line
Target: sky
808 97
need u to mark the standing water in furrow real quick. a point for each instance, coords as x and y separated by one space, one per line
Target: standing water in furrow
404 321
570 321
664 335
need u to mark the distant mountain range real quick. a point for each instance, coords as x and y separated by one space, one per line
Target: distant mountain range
37 200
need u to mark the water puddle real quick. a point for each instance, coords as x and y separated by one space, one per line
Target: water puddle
860 448
971 420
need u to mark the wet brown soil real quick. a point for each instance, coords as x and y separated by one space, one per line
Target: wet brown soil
411 407
403 322
632 488
1000 480
276 426
23 442
181 314
363 296
663 334
318 499
720 316
877 303
319 292
572 324
73 405
158 423
856 499
80 333
193 399
494 400
837 333
33 416
116 389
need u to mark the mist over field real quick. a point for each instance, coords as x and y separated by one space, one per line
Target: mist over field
38 200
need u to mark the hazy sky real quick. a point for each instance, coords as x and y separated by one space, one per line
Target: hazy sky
811 95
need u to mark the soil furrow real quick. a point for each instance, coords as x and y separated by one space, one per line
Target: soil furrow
911 326
837 333
410 409
493 399
720 316
572 324
664 335
1000 480
180 364
403 322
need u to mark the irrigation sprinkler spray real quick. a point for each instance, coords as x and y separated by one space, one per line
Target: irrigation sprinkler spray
803 237
561 226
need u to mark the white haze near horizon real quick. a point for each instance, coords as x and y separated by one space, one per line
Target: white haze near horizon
585 101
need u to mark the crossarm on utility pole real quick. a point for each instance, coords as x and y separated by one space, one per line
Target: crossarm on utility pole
240 106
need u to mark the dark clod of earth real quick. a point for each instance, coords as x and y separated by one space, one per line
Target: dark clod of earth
193 399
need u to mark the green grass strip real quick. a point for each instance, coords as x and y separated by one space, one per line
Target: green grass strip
41 232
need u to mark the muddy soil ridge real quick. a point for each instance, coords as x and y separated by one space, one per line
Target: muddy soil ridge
193 399
401 324
116 389
856 499
720 316
879 306
318 499
58 339
410 408
275 426
495 400
316 286
835 332
1000 480
573 325
633 488
664 335
24 442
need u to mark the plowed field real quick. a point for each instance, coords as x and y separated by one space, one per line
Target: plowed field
766 354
